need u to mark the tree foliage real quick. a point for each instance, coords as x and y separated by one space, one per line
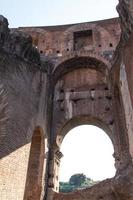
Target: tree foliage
77 179
76 182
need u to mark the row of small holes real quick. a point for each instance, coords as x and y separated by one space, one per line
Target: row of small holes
56 51
110 45
72 90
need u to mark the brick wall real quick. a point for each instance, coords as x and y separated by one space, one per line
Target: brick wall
22 86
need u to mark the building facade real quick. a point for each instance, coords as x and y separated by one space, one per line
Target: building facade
53 79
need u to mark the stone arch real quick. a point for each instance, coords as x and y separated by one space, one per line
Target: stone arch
79 135
76 105
63 131
68 66
85 54
78 60
83 120
33 187
84 64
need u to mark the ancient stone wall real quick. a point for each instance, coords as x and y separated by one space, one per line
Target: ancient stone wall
57 41
22 85
79 77
118 188
123 66
100 191
81 89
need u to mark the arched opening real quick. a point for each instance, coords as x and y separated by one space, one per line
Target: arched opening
35 167
82 95
87 150
90 61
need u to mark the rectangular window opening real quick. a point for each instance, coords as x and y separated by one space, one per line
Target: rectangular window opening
83 40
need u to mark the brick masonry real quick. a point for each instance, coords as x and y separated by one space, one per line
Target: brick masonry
70 75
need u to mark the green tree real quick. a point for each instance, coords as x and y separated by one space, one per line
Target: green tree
77 179
65 187
76 182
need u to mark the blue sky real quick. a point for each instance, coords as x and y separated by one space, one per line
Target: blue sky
53 12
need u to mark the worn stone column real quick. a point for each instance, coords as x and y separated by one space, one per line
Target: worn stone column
53 173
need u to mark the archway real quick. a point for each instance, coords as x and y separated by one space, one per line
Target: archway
33 186
74 122
87 149
81 95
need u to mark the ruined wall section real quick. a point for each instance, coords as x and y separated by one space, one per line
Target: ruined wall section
123 68
54 42
22 85
100 191
83 95
117 188
79 93
122 75
125 10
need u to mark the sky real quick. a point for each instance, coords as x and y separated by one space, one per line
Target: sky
55 12
87 149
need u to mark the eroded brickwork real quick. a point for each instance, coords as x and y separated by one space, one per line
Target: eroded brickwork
70 75
57 41
22 86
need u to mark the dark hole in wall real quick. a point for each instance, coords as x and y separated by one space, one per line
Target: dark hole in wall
109 97
82 39
106 88
61 91
111 122
72 90
107 108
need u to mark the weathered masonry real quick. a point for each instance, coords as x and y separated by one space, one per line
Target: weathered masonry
53 79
